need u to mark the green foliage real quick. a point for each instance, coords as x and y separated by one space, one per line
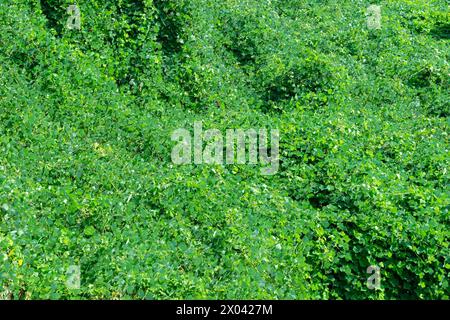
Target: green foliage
86 176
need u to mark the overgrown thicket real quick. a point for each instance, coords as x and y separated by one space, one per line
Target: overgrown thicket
86 176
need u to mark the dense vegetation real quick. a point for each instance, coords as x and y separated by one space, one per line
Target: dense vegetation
86 176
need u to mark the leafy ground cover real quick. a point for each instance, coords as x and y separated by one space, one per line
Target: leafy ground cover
86 176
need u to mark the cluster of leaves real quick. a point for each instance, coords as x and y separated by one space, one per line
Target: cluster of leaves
86 177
